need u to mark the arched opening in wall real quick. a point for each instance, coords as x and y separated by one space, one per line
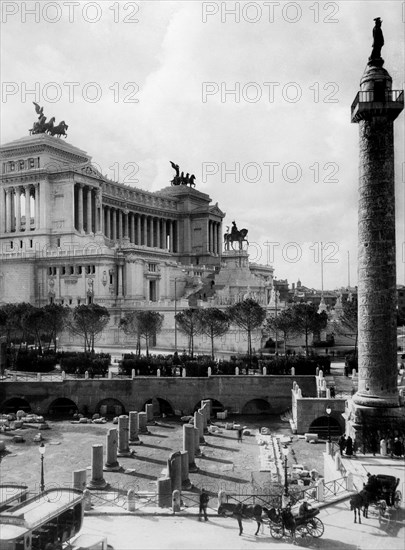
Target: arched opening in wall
161 407
110 407
62 408
257 406
216 406
320 426
15 404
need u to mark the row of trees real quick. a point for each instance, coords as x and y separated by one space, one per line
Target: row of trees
300 319
211 322
24 324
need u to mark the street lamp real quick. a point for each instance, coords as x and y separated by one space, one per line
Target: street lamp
285 450
328 411
42 453
175 310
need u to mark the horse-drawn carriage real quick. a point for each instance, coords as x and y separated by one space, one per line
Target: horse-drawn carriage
380 491
281 521
284 523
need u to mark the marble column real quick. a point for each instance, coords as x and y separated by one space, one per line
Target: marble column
145 231
133 428
8 209
114 225
88 214
112 443
164 485
174 470
27 208
80 207
123 436
199 424
18 209
79 479
142 423
185 480
126 224
164 234
149 412
189 446
120 224
37 207
138 230
108 222
97 480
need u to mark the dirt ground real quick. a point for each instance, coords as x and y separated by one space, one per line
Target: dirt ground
225 463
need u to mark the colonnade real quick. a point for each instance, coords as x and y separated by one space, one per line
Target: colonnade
11 217
140 229
87 201
214 237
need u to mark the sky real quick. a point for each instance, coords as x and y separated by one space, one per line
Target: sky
252 97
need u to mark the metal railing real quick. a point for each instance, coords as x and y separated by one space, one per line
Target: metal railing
382 96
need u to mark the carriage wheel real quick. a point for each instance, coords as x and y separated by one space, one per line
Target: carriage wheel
397 499
315 527
276 531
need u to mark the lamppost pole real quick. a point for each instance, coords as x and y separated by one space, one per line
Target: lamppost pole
42 453
175 313
328 411
285 454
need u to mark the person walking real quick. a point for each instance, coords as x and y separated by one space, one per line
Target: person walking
204 499
342 444
349 447
240 433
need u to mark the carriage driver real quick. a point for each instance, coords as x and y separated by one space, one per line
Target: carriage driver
304 509
372 485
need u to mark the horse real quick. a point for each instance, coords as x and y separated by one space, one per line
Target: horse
359 502
59 130
242 511
236 236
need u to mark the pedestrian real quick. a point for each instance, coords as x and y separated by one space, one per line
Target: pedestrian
240 433
204 499
342 444
332 392
397 447
349 447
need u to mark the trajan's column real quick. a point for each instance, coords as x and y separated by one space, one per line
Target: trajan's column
376 404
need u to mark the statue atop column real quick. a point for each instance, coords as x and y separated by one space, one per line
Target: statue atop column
181 179
378 42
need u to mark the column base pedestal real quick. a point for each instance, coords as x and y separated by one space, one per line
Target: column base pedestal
364 423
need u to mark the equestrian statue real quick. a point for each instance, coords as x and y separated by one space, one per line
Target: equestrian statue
43 127
181 179
235 235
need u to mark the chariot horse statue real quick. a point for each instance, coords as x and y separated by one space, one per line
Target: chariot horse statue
235 235
181 179
43 127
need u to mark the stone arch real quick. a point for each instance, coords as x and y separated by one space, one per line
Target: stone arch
257 406
110 407
216 406
15 404
62 406
161 407
320 426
